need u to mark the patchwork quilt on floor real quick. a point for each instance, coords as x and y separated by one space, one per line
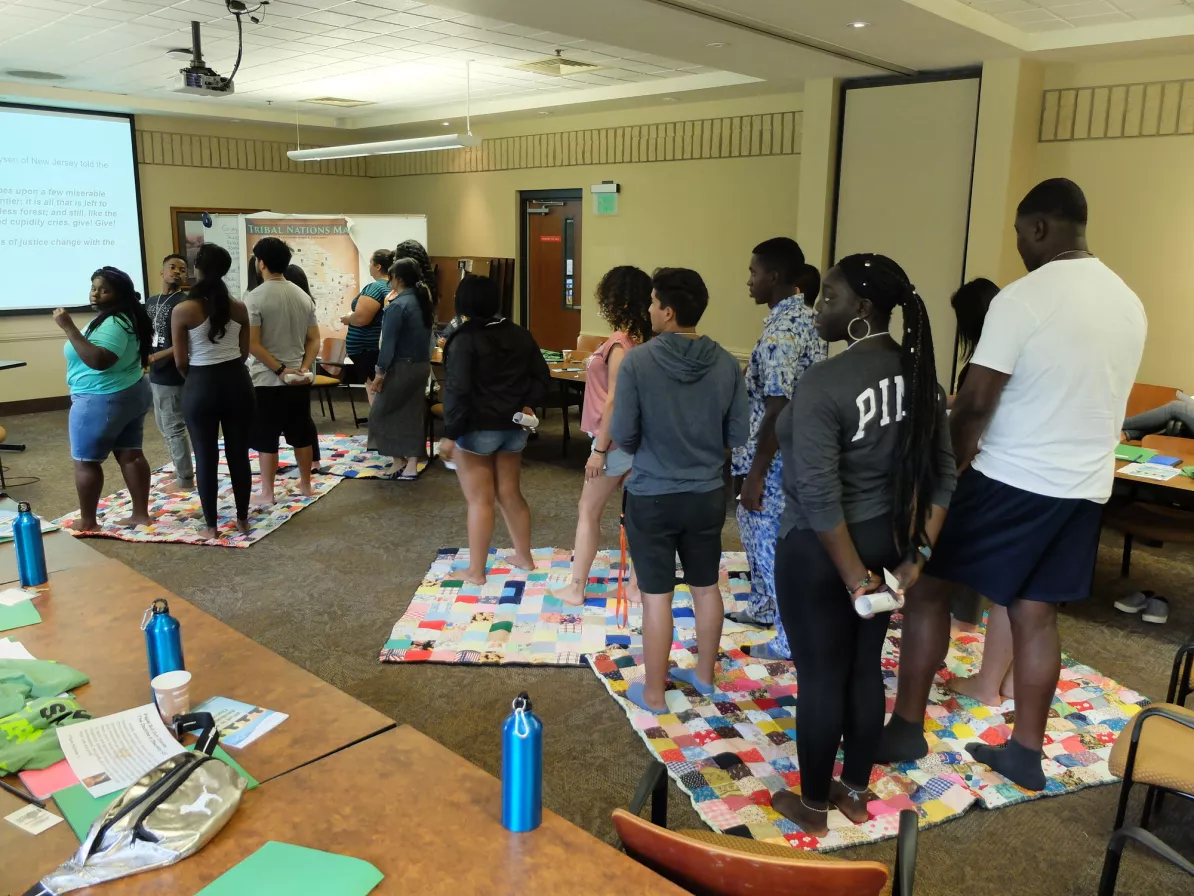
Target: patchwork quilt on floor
340 455
514 619
179 517
729 753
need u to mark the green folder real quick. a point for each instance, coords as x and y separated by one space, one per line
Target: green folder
80 808
19 615
1134 453
296 871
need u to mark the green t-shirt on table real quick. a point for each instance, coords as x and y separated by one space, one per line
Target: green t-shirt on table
118 336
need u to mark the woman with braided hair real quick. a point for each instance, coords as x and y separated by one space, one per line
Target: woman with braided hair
868 474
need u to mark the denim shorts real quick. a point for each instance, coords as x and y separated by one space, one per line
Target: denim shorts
484 442
114 421
617 461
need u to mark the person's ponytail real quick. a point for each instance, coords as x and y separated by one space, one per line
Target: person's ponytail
913 479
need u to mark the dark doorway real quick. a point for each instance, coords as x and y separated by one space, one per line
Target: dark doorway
550 265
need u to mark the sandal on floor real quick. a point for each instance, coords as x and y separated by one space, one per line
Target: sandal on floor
1135 602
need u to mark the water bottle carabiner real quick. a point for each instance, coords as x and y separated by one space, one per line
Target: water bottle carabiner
519 705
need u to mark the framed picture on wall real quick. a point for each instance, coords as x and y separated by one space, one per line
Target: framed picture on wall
190 234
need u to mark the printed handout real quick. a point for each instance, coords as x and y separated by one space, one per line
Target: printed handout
110 753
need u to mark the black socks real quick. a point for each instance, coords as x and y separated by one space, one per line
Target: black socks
902 741
1014 761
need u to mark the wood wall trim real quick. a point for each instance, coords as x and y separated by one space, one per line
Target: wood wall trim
1117 111
731 137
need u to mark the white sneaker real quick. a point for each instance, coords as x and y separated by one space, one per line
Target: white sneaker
1134 603
1157 611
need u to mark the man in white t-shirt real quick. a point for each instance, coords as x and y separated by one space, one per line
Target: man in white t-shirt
1046 394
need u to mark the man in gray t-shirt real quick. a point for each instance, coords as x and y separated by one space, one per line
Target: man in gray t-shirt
283 341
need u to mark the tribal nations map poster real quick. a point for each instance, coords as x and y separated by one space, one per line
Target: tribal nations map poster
324 250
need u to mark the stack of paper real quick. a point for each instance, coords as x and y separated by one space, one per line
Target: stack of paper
1150 471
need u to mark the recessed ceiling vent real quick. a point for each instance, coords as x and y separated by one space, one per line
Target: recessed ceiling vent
338 101
557 66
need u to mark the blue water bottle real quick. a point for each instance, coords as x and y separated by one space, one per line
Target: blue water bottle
522 768
163 639
31 553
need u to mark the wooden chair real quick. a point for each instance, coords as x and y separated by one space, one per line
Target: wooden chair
1145 397
331 357
716 864
1154 749
589 344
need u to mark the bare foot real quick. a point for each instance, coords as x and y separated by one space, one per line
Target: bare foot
242 526
82 525
814 821
133 520
306 488
573 594
411 468
976 689
173 486
473 578
262 499
633 595
524 562
208 533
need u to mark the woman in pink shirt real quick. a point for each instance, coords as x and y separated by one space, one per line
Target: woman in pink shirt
624 297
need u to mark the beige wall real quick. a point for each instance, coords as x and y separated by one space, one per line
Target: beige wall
1141 192
706 215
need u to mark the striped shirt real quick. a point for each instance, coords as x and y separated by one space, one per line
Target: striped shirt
368 337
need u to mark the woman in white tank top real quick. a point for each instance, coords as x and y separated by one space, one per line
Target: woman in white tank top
210 332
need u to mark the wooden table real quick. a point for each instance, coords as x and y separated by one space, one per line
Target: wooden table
426 818
1178 491
63 551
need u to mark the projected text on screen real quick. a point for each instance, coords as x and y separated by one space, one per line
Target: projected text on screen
68 205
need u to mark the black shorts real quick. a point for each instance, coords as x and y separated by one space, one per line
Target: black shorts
689 524
362 369
1009 544
282 411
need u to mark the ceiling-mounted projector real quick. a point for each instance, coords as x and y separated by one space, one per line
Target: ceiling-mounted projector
197 79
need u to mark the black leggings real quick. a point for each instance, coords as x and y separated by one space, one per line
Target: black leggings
215 396
836 653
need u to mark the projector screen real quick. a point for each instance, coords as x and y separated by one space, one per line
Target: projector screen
68 205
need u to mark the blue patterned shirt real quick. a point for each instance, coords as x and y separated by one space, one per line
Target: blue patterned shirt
788 347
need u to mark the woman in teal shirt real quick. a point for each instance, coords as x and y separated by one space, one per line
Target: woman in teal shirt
109 393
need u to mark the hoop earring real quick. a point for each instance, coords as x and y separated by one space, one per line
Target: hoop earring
850 329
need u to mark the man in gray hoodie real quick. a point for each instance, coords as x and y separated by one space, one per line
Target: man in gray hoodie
680 405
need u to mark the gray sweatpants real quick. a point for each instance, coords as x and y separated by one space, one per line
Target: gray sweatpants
167 411
1158 419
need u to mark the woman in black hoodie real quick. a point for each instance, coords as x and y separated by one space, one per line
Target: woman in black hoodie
493 370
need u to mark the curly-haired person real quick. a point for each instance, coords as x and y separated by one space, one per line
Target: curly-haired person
624 298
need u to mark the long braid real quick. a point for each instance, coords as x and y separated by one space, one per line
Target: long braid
414 249
884 283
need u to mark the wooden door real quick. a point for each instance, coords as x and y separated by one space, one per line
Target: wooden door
554 272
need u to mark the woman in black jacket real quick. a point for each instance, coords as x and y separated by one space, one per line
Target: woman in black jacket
493 370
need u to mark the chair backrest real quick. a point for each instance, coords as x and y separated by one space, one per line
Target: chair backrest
587 343
1145 397
333 350
720 871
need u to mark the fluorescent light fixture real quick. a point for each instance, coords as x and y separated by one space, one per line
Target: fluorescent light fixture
384 147
858 24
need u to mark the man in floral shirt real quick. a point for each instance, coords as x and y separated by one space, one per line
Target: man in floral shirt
779 279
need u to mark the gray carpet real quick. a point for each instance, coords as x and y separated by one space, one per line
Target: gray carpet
325 589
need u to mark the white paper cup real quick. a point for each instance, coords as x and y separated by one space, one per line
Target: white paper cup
878 602
172 694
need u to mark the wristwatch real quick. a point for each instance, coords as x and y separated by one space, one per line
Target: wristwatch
281 367
926 551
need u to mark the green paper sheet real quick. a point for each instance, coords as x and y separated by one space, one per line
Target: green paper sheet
80 808
1189 471
19 615
1134 453
296 871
